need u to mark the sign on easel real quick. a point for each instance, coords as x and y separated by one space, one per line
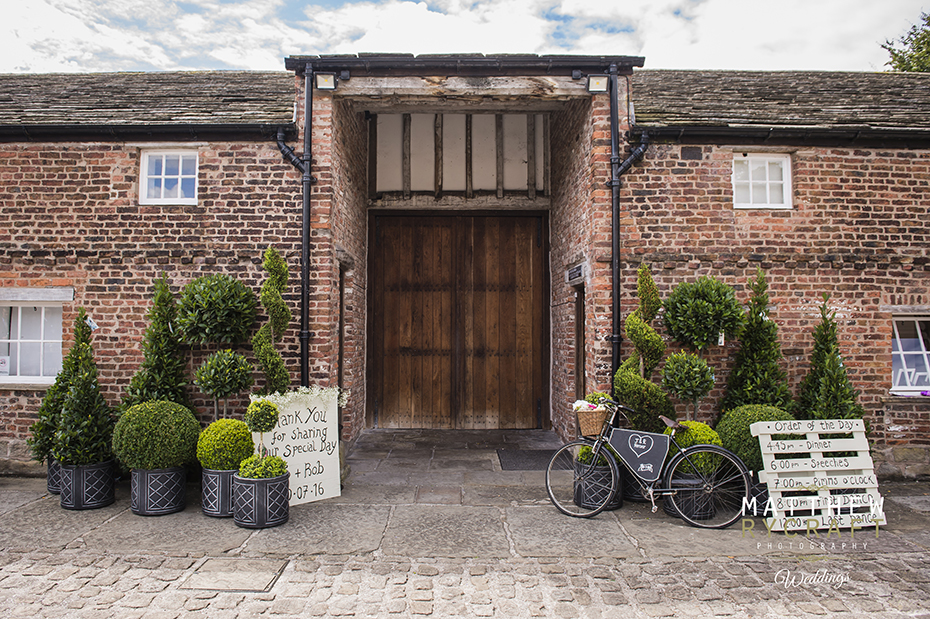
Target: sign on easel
307 437
825 482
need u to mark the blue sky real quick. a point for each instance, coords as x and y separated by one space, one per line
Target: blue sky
42 36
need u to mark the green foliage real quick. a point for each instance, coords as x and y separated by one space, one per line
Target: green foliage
277 378
697 434
258 467
697 313
687 376
85 427
156 435
585 454
645 397
42 438
914 53
757 376
162 375
224 444
595 397
262 416
223 374
735 435
216 308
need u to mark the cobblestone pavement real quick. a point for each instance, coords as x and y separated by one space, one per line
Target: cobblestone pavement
417 534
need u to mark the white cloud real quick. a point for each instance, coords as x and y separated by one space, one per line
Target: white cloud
99 35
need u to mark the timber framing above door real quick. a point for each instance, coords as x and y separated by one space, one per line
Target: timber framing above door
458 321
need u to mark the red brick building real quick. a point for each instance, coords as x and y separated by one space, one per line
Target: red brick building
460 235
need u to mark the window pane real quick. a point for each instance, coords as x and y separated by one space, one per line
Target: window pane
907 335
742 193
172 165
5 322
53 323
187 187
924 326
758 171
153 189
14 359
31 328
29 359
188 165
777 193
741 170
758 193
775 171
51 362
921 377
897 371
171 188
154 165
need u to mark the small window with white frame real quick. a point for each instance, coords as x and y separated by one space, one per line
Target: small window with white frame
169 177
761 180
910 355
31 335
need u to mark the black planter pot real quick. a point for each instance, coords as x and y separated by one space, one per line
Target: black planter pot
590 497
53 477
158 491
260 503
631 489
216 495
696 505
87 486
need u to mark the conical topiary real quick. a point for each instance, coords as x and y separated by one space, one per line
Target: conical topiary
757 376
85 429
43 431
162 375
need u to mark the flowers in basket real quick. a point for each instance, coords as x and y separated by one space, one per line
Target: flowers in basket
584 405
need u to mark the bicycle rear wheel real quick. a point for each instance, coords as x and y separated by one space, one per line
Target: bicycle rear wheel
711 483
580 482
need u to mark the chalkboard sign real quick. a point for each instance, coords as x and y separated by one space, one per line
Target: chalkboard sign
821 481
643 452
307 438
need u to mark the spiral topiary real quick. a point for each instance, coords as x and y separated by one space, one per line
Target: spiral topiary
156 435
224 444
277 378
697 434
735 435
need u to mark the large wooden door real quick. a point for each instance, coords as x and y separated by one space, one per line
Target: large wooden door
458 332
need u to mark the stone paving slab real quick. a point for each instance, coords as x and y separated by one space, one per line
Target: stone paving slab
445 531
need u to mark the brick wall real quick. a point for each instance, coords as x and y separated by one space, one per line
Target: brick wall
71 217
857 232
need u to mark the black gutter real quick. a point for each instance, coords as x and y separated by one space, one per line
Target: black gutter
878 137
617 169
122 133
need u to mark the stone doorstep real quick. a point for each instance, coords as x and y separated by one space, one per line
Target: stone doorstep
235 574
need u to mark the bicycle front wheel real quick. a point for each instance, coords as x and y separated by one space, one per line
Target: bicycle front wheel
710 484
581 482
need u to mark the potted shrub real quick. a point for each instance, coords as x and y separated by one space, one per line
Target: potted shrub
735 435
82 439
42 438
697 434
223 374
600 478
261 488
155 440
221 448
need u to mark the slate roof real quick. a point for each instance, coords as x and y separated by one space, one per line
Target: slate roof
128 103
799 103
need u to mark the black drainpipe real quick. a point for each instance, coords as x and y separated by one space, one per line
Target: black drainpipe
303 164
617 169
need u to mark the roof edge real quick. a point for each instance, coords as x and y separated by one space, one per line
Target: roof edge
462 64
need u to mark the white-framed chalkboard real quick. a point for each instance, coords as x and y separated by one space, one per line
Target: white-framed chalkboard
825 480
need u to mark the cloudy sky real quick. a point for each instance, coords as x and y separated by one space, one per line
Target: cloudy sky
43 36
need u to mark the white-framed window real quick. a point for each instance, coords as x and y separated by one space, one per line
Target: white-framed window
31 334
761 180
910 354
168 177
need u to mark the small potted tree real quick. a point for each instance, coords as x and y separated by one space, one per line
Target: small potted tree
155 440
689 377
225 373
261 491
694 503
221 448
82 439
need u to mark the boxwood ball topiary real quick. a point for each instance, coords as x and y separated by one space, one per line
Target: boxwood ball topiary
156 435
697 434
224 444
257 467
261 416
735 434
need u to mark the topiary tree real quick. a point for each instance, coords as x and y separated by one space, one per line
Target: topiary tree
85 428
224 444
277 378
696 314
223 374
689 377
163 373
631 384
735 435
757 376
697 433
826 392
156 435
216 308
42 438
261 417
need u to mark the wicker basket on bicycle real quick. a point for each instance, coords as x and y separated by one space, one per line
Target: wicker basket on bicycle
591 421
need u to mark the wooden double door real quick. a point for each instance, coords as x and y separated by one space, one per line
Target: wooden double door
458 322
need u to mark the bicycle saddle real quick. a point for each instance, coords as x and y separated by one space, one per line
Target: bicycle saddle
672 423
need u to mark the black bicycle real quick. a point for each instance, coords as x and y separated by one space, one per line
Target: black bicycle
706 484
